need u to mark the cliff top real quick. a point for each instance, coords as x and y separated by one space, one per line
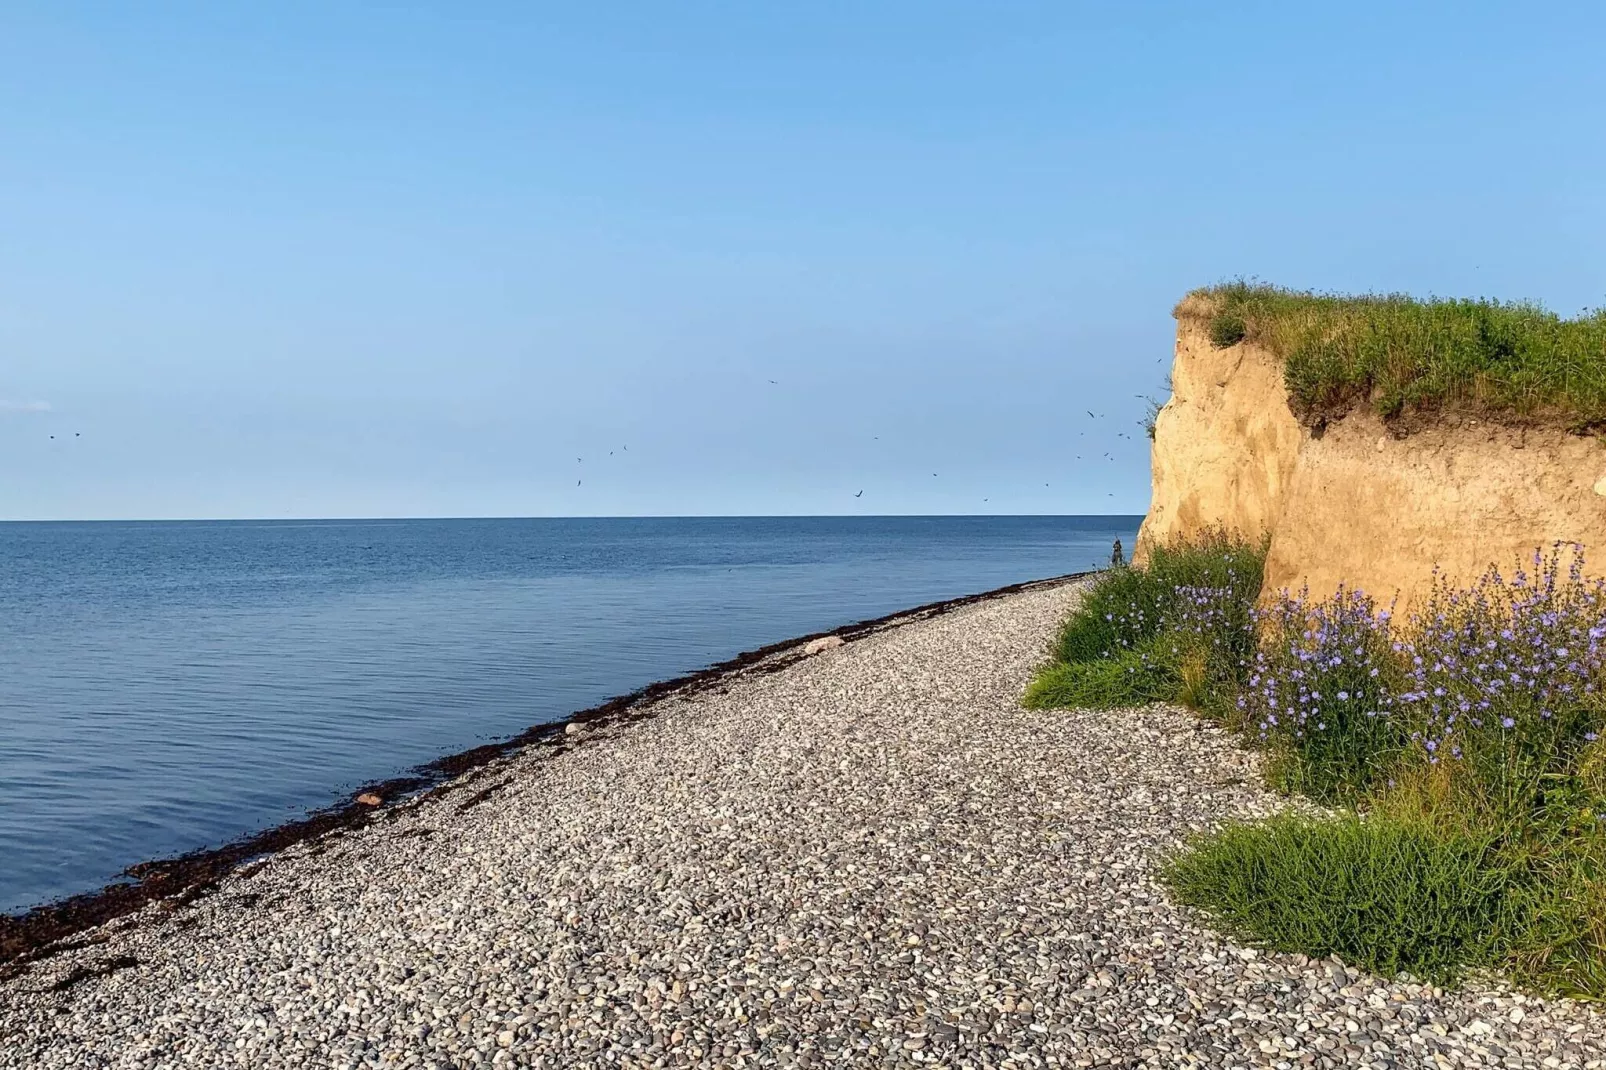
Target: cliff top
1513 362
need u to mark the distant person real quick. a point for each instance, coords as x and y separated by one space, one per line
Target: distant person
1117 560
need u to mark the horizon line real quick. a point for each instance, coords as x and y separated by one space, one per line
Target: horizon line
511 516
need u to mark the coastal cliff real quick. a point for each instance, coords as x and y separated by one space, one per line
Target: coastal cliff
1348 497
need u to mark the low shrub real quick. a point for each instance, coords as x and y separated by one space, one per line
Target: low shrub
1227 328
1321 692
1189 608
1120 609
1387 895
1501 681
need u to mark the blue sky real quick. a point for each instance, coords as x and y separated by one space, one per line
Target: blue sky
313 259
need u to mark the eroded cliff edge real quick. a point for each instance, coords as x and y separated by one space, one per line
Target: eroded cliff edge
1353 501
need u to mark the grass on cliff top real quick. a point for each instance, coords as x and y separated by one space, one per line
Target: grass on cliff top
1404 355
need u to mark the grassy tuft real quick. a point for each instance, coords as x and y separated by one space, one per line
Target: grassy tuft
1401 354
1129 678
1387 895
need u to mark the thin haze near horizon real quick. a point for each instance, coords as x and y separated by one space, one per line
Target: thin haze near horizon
314 260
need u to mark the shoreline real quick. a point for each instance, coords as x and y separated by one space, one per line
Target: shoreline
44 931
871 856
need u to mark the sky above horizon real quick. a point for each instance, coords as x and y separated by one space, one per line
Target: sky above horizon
304 260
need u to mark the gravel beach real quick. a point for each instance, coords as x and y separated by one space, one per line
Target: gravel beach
872 856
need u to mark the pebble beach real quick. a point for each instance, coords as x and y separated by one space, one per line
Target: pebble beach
867 856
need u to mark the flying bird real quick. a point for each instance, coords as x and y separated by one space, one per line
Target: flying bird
1090 413
577 482
859 495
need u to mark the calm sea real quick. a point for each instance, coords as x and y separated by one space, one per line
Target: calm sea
168 686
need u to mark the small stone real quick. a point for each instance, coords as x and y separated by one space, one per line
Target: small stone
980 892
1600 486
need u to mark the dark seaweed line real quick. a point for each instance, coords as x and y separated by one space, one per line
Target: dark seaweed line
45 930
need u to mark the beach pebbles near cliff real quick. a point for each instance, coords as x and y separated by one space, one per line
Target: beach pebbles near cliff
871 857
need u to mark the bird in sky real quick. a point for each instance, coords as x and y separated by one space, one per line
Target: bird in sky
577 482
773 382
859 495
1090 413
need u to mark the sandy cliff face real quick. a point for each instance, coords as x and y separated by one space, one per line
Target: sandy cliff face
1225 444
1356 505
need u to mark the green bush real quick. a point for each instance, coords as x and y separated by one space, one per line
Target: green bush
1321 695
1126 606
1227 329
1387 895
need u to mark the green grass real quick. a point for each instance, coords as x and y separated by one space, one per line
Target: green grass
1386 895
1126 606
1405 355
1129 642
1129 678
